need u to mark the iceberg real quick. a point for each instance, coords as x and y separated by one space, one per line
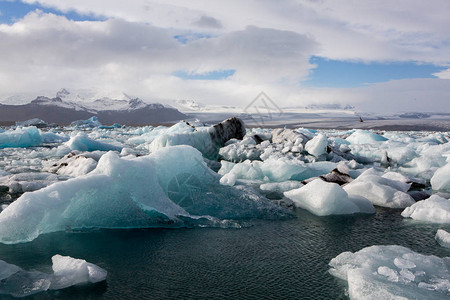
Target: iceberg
323 198
441 178
67 271
89 123
20 138
392 272
443 238
380 191
82 142
434 209
365 137
171 187
207 140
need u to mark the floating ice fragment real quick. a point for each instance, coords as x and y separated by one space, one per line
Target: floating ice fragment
441 178
378 272
443 238
68 271
365 137
380 191
434 209
82 142
322 198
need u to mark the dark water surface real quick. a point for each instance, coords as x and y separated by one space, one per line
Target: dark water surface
270 260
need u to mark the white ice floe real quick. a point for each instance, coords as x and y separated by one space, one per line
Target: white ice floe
434 209
323 198
441 178
20 138
67 271
380 191
443 238
166 187
392 272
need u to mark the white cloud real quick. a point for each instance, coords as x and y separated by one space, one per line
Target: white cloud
45 50
268 43
445 74
353 30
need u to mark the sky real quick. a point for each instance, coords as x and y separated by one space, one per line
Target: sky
375 55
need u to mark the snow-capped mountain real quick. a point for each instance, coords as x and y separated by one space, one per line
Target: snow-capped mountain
66 107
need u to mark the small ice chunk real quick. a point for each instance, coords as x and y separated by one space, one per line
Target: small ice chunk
67 271
441 178
70 271
322 198
82 142
228 179
317 146
434 209
380 191
443 238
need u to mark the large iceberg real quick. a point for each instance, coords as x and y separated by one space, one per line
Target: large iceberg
170 187
20 138
434 209
67 271
323 198
392 272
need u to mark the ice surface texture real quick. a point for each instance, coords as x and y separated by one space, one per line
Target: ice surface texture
392 272
67 271
434 209
166 188
323 198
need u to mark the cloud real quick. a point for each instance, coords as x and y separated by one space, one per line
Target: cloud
208 22
445 74
345 30
46 50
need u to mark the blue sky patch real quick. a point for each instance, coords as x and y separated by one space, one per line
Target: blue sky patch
214 75
10 12
342 74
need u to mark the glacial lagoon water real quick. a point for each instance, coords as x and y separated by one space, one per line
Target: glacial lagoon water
267 260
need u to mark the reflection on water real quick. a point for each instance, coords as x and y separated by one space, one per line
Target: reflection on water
272 259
